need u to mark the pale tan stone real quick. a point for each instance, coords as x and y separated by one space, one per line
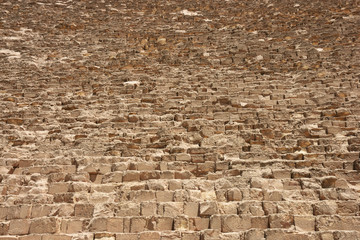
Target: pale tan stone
19 227
43 225
304 223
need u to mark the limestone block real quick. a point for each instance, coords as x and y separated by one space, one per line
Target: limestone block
348 208
137 224
304 223
181 223
84 210
281 221
15 212
30 237
234 223
148 208
43 225
234 194
191 209
335 222
230 236
115 225
164 224
127 236
149 236
190 236
215 222
254 234
260 222
175 184
228 207
4 228
131 176
208 209
251 207
128 209
58 237
164 196
282 234
71 226
325 208
198 224
19 227
142 195
61 187
273 195
172 209
183 157
98 224
210 234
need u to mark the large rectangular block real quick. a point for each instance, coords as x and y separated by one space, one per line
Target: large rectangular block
71 226
138 224
164 224
148 208
198 224
149 236
19 227
234 223
191 209
304 223
127 236
84 210
324 223
281 221
208 209
115 225
43 225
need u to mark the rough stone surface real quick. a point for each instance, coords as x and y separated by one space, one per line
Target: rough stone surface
194 120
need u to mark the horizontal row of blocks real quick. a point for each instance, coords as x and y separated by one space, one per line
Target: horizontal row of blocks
253 234
188 209
83 193
222 223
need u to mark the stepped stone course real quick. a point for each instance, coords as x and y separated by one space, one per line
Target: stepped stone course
192 120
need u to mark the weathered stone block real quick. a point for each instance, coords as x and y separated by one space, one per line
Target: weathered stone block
43 225
234 194
164 224
215 222
198 224
335 222
19 227
131 176
191 209
148 208
137 224
127 236
325 208
115 225
149 236
254 234
190 236
84 210
234 223
181 223
281 221
98 224
71 226
260 222
304 223
164 196
208 209
173 209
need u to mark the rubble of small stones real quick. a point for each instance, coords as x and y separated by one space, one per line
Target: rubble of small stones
169 120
